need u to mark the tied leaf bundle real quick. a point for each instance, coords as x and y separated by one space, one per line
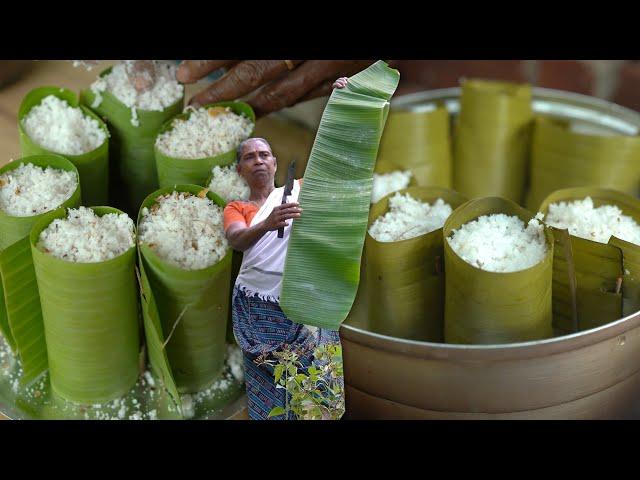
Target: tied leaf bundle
596 269
195 171
322 267
92 166
405 278
562 158
418 141
133 173
491 146
484 307
20 317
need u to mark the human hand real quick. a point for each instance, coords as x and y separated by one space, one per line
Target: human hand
280 214
270 84
340 83
141 74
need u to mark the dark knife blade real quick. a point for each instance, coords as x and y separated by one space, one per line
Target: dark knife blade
288 188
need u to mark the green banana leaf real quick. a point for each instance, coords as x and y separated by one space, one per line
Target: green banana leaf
193 306
90 313
322 268
406 278
562 158
492 307
598 267
133 173
20 320
418 141
491 145
195 171
92 166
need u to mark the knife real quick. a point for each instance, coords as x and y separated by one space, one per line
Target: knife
288 187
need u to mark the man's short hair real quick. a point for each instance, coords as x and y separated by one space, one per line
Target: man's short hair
244 142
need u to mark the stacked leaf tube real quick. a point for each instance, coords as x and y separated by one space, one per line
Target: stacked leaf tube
186 265
51 121
29 188
134 122
596 276
491 145
404 259
498 274
562 158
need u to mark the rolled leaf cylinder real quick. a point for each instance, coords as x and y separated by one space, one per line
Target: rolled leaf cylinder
563 158
492 139
90 314
195 171
484 307
133 166
405 279
597 268
418 141
92 166
193 306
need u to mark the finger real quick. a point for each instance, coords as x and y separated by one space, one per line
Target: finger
290 204
243 78
291 88
289 210
190 71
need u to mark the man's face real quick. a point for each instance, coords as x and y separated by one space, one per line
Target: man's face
257 164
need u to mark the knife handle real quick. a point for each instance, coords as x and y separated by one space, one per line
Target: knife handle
281 229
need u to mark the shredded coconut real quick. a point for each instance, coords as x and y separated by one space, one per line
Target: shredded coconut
386 183
229 184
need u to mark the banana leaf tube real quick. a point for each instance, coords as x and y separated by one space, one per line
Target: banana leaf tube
563 158
491 145
419 141
483 307
133 165
606 275
192 305
92 166
322 268
405 278
20 318
195 171
90 314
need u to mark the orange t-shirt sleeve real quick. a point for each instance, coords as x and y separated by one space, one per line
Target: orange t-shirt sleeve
238 212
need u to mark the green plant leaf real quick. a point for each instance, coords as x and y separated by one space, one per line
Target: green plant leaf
277 411
277 372
322 267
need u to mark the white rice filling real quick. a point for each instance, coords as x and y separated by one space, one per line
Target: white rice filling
57 126
227 183
165 92
206 133
32 190
584 220
84 237
500 243
184 230
386 183
408 218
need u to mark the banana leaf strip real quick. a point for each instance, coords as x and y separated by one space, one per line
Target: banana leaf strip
322 268
90 314
193 306
195 171
92 166
405 279
492 307
419 141
599 267
562 158
133 173
492 139
20 314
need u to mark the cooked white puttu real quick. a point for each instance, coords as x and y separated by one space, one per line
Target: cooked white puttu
386 183
229 184
500 243
57 126
32 190
408 218
584 220
165 91
184 230
206 133
84 237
